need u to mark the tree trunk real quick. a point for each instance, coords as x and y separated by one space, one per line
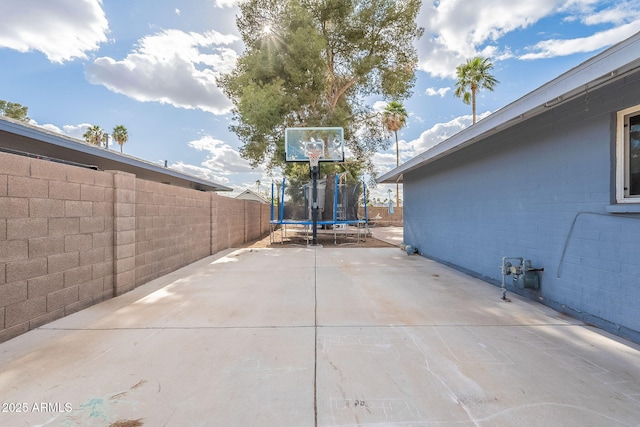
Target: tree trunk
473 102
397 164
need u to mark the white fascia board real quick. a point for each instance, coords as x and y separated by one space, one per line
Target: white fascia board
601 69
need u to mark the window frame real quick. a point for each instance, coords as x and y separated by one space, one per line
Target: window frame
622 156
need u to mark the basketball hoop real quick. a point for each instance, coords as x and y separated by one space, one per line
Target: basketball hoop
300 141
314 152
314 157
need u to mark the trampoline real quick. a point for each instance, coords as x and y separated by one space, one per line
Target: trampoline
338 199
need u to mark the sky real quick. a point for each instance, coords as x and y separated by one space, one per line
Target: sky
151 65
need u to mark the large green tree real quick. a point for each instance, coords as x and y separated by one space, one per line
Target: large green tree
394 117
474 75
313 63
13 110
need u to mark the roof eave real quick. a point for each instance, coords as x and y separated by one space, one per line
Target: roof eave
39 134
604 68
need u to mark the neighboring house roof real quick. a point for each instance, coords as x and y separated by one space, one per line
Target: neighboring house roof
26 138
604 68
251 195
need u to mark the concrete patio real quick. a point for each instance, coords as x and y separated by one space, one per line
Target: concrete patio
318 337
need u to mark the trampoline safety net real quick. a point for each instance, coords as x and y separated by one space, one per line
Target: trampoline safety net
338 201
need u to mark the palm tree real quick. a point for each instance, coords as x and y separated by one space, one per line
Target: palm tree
95 135
121 135
473 76
394 117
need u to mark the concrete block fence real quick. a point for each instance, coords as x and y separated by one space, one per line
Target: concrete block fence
71 237
379 215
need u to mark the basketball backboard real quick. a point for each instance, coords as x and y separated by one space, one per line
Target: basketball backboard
298 140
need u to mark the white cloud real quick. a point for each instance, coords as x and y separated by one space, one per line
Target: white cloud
226 3
76 131
386 161
379 106
48 126
440 132
588 12
617 15
455 31
265 186
223 161
556 47
431 91
204 173
171 67
62 30
222 158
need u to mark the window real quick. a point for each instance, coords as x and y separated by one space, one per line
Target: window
628 156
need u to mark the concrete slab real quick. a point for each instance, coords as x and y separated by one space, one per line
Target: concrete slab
391 234
388 287
194 376
318 337
475 376
240 289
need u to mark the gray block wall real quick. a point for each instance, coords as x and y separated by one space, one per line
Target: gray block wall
56 241
542 191
71 237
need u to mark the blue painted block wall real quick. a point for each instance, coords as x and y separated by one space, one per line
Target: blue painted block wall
539 190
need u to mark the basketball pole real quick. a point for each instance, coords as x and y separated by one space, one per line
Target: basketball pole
313 143
314 208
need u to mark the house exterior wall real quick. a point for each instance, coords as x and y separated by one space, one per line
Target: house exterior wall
71 237
539 190
249 195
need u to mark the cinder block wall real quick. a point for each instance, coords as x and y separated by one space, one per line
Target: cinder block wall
254 229
236 221
227 223
71 237
172 228
56 241
379 215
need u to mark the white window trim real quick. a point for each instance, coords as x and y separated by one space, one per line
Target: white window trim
622 168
